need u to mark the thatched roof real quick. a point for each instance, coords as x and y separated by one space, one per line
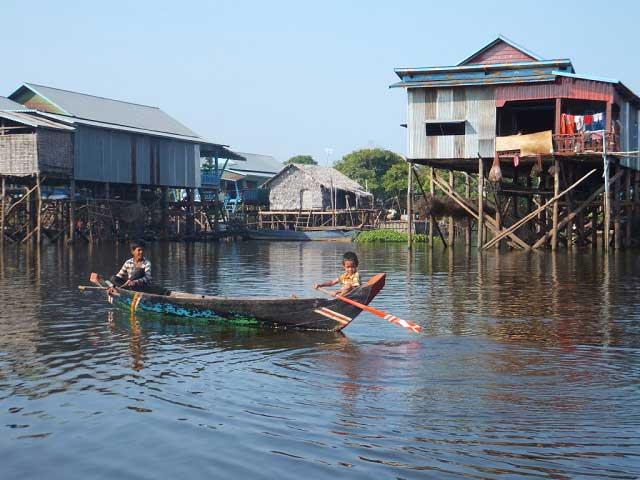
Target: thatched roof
324 176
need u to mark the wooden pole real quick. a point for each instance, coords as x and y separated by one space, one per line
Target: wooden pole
107 190
541 241
556 190
410 206
451 225
617 230
72 211
568 178
480 239
432 192
467 193
39 211
594 228
527 218
4 193
629 207
499 223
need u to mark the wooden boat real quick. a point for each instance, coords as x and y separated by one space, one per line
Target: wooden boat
330 314
337 235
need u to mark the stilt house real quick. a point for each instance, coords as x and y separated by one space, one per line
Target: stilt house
508 108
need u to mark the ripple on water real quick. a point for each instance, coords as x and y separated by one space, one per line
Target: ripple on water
527 368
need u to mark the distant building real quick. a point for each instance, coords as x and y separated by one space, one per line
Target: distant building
251 173
312 187
96 139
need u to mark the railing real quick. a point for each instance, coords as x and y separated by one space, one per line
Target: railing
210 179
586 142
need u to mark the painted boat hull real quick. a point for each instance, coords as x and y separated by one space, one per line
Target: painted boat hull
303 236
328 314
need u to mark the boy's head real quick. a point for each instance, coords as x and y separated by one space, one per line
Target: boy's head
137 249
350 261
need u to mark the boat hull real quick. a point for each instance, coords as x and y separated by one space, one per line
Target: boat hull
303 236
329 314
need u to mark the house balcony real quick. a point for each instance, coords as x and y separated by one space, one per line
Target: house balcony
585 143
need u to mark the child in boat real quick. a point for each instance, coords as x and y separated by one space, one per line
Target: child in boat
135 274
349 280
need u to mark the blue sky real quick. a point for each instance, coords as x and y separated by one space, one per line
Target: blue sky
286 77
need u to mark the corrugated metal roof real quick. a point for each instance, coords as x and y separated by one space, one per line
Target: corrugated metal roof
106 110
8 104
257 163
33 120
111 126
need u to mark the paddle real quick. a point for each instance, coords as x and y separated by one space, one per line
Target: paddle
414 327
87 287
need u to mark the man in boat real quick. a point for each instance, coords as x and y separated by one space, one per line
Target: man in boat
349 280
135 274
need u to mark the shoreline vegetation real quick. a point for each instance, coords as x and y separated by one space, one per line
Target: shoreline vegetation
387 236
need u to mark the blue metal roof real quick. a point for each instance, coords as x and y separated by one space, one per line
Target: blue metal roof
108 111
10 105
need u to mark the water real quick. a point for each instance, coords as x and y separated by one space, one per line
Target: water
528 367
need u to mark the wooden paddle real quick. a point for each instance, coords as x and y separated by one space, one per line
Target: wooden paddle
88 287
414 327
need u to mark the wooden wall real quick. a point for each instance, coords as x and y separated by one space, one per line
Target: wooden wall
285 190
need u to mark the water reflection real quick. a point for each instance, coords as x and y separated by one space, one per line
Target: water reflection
527 368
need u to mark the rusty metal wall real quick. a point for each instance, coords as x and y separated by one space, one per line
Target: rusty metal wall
474 105
563 87
102 155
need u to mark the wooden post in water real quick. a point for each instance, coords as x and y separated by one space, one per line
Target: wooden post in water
480 239
594 227
628 207
556 191
39 209
467 193
431 217
4 207
451 233
410 206
72 211
617 230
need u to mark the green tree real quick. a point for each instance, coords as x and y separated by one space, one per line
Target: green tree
304 159
394 181
368 166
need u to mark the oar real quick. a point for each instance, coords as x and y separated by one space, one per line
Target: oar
88 287
414 327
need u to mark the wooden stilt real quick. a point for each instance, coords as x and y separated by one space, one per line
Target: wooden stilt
541 241
594 228
480 239
556 190
568 179
499 224
524 220
432 192
451 224
467 193
4 205
617 230
107 190
410 207
628 207
39 210
138 193
72 211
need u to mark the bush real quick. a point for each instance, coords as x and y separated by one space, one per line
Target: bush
378 236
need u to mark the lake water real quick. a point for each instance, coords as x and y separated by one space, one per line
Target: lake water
528 367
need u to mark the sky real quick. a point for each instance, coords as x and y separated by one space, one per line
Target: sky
292 77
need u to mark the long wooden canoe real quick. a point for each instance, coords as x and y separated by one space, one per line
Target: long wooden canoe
328 314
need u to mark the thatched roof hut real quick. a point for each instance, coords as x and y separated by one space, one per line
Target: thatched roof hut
312 187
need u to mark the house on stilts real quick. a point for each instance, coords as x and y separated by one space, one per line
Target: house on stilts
555 152
77 164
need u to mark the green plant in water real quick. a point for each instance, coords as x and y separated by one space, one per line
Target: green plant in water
375 236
